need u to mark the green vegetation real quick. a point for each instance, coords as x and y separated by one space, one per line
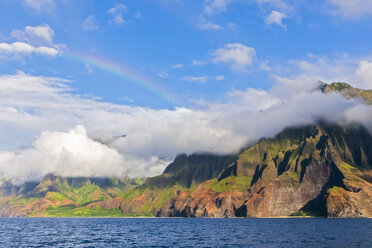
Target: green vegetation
56 196
335 189
22 201
187 170
240 183
299 214
286 157
71 211
349 171
50 196
87 193
152 198
340 86
132 193
293 176
163 197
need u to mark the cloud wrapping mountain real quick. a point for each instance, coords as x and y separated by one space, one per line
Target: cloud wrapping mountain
46 128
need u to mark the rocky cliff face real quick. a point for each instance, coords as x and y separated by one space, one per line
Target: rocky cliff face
319 170
192 169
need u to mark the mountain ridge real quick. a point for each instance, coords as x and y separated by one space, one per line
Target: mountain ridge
324 169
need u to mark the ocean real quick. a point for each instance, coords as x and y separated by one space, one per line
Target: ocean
180 232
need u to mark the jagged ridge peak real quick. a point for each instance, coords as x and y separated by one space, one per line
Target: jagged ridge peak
347 91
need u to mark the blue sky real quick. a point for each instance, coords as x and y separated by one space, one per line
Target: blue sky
106 88
160 39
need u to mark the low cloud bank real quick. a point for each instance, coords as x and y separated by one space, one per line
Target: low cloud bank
45 128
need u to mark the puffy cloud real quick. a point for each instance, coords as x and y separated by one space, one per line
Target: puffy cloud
141 141
33 40
30 105
38 35
276 17
360 113
364 74
117 14
70 153
212 7
351 9
334 68
40 5
282 9
90 23
277 10
238 55
17 49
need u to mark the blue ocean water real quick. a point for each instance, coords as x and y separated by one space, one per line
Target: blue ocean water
178 232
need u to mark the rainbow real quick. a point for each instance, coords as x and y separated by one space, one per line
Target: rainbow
124 72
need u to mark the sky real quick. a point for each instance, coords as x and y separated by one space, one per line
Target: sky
136 82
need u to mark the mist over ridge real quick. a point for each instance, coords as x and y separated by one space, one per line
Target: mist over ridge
73 135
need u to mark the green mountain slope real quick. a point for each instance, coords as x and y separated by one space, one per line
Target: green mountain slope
193 169
62 196
317 170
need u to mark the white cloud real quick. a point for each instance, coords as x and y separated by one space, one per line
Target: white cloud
46 51
90 23
238 55
19 49
16 47
276 10
201 79
216 6
334 68
30 105
207 25
177 66
38 35
70 153
117 14
364 74
276 17
47 108
40 5
36 40
350 9
220 78
212 7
